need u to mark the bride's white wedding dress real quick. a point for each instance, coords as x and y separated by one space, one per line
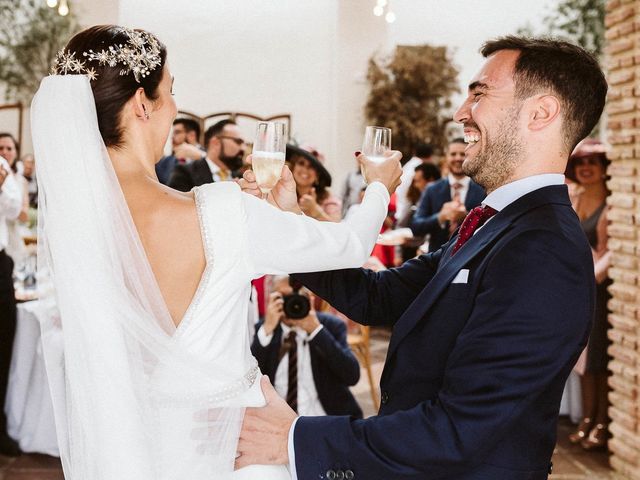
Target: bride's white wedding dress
135 397
245 238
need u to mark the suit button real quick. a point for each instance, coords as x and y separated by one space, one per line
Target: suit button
339 475
348 475
385 397
550 468
331 475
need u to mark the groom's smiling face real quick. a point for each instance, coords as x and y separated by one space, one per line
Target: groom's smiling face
490 116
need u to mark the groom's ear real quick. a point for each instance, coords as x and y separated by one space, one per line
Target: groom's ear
141 104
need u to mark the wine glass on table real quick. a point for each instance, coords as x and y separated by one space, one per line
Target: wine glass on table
267 158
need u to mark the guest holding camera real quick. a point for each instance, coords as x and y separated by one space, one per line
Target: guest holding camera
305 354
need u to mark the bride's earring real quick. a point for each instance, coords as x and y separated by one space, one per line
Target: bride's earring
146 115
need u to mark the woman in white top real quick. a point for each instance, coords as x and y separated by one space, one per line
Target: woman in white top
153 284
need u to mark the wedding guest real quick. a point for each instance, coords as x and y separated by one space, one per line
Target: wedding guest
29 173
10 205
423 155
313 181
353 185
425 174
185 148
308 359
225 152
447 202
588 165
9 149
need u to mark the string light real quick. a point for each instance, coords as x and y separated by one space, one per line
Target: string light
63 9
379 9
52 3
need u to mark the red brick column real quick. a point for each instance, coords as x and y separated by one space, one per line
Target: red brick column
623 133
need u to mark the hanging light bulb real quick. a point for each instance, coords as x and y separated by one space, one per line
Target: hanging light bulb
378 10
63 9
52 3
382 3
390 17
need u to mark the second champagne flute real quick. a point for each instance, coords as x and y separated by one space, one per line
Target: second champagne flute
377 141
267 158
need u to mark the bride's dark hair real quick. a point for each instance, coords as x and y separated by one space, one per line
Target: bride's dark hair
110 89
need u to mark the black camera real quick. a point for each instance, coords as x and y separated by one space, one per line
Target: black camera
296 306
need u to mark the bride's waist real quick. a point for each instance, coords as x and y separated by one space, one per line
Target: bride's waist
182 391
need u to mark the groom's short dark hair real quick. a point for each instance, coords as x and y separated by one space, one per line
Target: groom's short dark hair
563 69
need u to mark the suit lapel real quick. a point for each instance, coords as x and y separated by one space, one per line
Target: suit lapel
476 244
448 268
202 172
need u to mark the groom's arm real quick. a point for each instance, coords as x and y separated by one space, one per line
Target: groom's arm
373 298
528 325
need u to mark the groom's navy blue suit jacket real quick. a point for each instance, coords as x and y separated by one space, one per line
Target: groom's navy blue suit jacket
475 370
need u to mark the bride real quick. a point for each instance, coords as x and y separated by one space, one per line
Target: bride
152 284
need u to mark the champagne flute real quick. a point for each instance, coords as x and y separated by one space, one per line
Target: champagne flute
267 158
377 141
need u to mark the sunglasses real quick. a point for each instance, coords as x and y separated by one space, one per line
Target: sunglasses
237 141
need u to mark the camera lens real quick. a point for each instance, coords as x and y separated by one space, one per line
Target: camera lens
296 306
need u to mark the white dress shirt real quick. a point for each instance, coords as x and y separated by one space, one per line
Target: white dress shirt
462 191
215 171
308 402
10 203
498 199
509 193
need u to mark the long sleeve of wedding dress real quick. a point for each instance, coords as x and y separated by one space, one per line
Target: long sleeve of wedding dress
282 242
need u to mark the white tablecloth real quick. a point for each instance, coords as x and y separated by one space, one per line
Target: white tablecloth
28 406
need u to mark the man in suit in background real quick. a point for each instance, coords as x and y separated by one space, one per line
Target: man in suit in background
225 151
307 359
423 155
487 329
184 148
446 203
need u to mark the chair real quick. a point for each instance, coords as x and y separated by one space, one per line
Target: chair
359 343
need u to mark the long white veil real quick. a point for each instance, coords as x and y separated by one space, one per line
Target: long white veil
119 369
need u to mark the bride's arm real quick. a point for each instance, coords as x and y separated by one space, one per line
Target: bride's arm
286 242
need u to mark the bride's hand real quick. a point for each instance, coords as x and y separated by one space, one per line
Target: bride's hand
283 195
387 171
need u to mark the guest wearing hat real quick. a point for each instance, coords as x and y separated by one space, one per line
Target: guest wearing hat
313 182
587 166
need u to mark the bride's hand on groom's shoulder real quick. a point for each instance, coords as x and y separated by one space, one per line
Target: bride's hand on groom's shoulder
283 195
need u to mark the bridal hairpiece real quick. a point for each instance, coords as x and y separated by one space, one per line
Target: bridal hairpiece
140 56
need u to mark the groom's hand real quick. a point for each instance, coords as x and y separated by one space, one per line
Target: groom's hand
265 431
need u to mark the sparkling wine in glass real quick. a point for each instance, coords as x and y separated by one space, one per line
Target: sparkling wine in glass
268 154
377 141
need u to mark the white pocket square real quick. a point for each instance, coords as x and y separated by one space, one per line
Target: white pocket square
462 276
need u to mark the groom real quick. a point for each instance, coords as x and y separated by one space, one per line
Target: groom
485 330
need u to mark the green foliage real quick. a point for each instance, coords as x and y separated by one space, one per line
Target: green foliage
410 93
579 20
30 36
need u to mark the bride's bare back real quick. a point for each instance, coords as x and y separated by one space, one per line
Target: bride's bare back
168 225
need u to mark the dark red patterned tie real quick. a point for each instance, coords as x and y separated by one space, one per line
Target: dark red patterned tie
474 220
